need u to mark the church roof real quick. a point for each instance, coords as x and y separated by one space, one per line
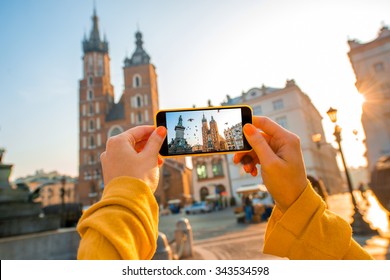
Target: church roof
94 43
139 56
117 112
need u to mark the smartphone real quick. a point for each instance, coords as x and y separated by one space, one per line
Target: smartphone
201 131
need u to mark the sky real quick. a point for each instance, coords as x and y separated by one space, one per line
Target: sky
201 49
192 121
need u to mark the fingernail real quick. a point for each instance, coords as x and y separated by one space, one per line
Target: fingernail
250 129
162 131
247 168
159 161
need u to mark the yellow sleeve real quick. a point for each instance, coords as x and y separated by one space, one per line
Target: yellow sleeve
307 230
122 225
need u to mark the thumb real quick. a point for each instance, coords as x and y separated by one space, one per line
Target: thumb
258 143
155 141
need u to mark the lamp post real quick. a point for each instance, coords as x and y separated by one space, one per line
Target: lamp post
359 226
62 194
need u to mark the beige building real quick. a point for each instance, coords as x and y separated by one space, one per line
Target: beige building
54 187
292 109
210 178
371 64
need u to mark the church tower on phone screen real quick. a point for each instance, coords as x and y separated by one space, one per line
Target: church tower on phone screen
101 115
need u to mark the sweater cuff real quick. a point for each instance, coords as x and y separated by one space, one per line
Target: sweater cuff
284 228
308 231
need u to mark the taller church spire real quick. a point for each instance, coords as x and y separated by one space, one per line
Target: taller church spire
94 43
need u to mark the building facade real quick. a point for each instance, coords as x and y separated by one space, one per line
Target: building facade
293 110
99 116
55 188
175 183
211 139
211 180
371 64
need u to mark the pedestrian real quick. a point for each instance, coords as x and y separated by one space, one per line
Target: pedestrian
248 209
124 223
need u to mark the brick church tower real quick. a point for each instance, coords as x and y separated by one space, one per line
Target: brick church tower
99 116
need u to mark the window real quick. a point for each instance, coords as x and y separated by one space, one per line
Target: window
99 140
91 159
84 110
91 125
90 109
282 121
100 66
139 101
97 108
90 64
90 95
90 81
217 168
146 99
137 81
201 170
146 115
91 141
278 104
97 123
379 67
84 142
139 117
257 111
84 125
115 130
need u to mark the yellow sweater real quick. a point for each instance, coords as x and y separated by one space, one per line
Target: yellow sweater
124 225
308 231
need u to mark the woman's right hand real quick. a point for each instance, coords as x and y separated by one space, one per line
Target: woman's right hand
278 151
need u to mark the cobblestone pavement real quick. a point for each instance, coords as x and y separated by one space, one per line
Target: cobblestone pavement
217 236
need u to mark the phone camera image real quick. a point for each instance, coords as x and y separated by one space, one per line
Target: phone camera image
204 131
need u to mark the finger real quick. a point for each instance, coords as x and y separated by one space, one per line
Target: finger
239 156
160 161
254 172
258 143
138 133
139 146
155 141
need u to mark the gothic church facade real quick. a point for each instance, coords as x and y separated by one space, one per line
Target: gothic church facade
99 116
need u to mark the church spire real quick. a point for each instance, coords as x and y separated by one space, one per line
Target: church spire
94 43
139 56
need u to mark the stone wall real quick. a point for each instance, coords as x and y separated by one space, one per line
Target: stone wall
60 244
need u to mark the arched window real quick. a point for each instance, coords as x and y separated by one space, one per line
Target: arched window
137 81
91 125
201 170
91 159
91 109
90 81
139 117
139 101
91 141
90 95
115 130
217 168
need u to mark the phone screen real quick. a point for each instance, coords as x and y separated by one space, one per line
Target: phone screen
204 130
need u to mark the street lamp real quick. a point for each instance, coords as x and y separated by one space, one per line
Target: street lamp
62 194
359 226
